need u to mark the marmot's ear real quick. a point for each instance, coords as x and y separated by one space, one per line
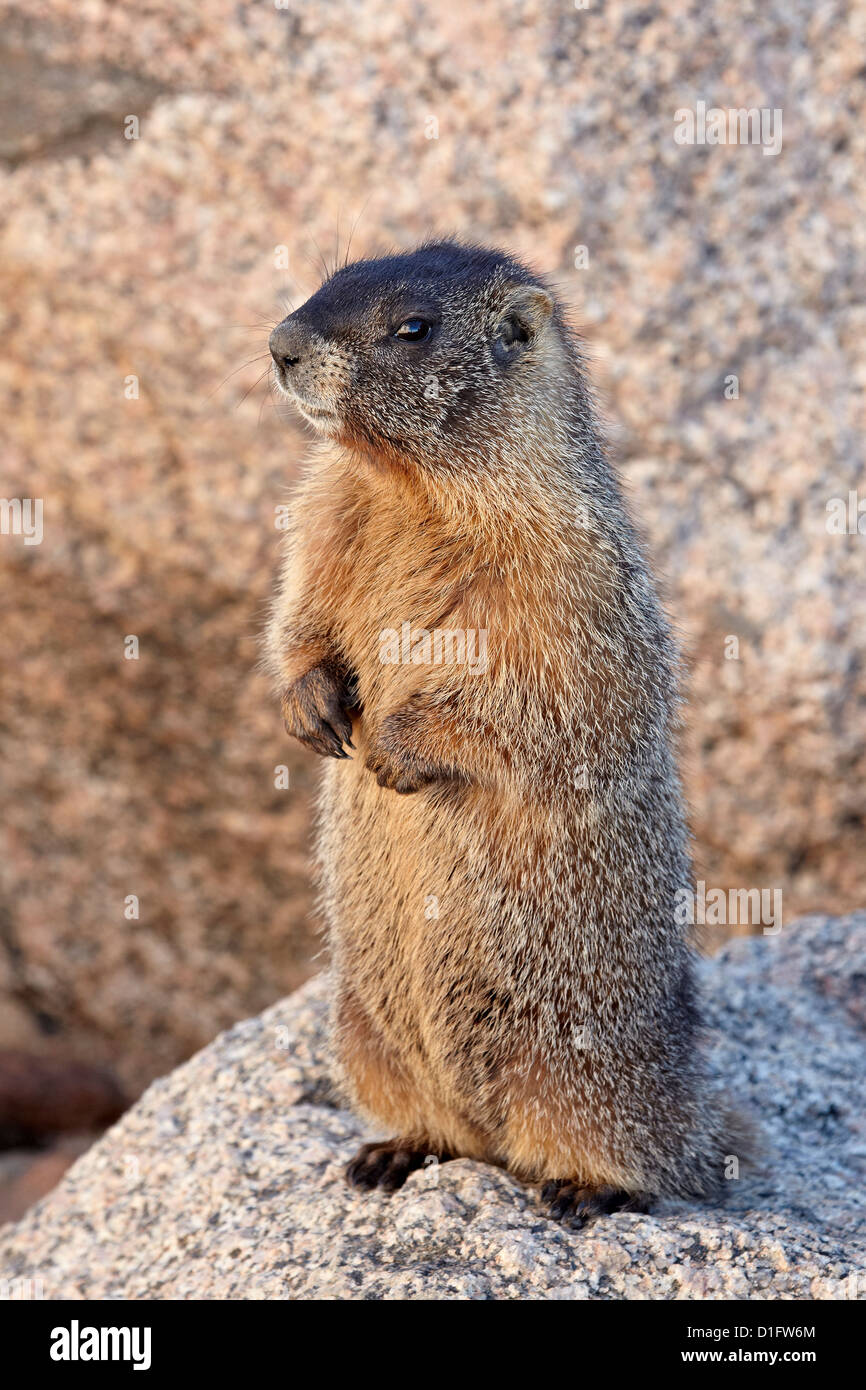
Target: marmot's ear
524 318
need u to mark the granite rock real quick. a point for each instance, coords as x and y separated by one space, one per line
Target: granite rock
225 1180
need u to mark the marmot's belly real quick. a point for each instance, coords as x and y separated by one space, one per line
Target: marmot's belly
434 925
409 879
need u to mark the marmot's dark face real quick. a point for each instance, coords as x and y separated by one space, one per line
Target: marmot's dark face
426 356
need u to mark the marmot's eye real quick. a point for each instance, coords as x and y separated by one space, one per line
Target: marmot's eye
414 330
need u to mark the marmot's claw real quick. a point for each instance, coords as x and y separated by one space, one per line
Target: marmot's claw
386 1164
314 709
577 1204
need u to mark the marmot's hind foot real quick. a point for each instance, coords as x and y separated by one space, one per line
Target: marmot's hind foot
387 1164
576 1204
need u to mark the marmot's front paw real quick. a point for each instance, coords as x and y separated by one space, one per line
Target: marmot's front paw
400 774
398 769
315 710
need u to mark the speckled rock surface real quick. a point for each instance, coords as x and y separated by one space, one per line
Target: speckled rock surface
225 1180
264 127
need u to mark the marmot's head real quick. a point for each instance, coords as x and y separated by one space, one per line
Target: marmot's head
428 357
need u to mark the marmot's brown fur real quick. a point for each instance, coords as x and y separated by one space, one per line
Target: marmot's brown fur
511 981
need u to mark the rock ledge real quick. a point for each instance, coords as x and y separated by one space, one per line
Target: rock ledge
225 1180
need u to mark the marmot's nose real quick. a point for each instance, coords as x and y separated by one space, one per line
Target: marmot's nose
288 343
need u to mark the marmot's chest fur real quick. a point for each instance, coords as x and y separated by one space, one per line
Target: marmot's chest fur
405 582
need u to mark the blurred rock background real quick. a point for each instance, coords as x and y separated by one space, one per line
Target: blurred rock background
265 131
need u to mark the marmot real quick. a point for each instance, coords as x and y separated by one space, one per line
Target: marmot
500 858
